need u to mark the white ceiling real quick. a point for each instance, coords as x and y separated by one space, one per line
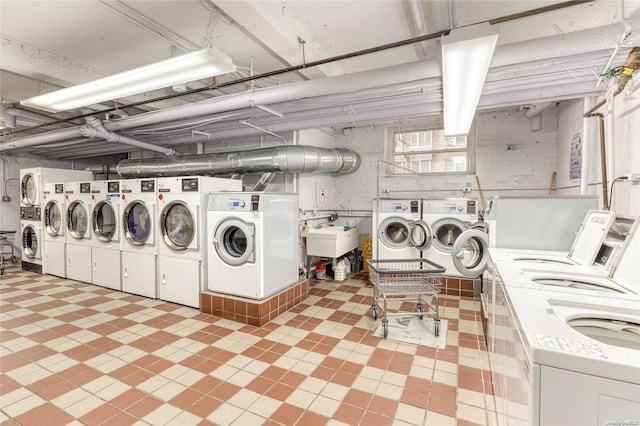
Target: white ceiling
51 44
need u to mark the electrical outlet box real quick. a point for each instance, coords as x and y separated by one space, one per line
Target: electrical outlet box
635 178
467 188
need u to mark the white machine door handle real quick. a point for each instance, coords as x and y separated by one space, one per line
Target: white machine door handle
164 278
126 271
95 266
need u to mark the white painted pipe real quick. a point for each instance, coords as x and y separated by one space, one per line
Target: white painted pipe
587 141
42 139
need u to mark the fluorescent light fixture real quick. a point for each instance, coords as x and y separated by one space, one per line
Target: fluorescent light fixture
466 54
176 70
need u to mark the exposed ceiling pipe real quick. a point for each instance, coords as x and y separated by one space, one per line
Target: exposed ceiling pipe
534 113
19 112
418 22
280 159
94 128
42 139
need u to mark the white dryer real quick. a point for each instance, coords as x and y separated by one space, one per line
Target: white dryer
139 239
182 251
32 239
400 231
253 243
449 218
78 214
106 226
55 227
32 182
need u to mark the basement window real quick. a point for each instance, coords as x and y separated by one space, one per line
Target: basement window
425 150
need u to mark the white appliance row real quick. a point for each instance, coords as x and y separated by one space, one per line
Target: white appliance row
445 231
143 236
563 331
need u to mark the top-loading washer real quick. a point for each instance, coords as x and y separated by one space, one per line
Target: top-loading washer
448 218
400 231
79 234
565 359
55 227
106 226
253 243
32 182
182 251
139 239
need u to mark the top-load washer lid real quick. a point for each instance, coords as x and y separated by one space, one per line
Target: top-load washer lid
77 220
29 189
614 332
576 283
177 225
625 270
470 253
137 222
53 218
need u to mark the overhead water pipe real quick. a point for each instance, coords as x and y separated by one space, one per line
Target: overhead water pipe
94 128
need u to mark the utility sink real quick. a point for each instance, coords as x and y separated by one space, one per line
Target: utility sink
333 241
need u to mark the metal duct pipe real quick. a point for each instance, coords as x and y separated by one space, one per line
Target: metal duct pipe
282 159
94 128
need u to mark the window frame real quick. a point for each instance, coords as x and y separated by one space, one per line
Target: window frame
425 124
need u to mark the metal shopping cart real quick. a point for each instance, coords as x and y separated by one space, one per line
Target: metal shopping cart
404 280
6 248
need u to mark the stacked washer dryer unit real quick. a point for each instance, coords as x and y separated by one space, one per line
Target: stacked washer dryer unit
55 227
79 234
253 243
400 231
139 239
579 344
182 251
451 218
32 182
106 226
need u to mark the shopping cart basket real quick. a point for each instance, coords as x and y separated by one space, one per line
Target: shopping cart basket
404 280
6 248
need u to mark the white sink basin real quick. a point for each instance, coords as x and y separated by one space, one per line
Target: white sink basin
333 241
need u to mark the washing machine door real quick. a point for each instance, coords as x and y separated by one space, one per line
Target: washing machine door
446 231
234 242
53 219
399 233
137 223
29 190
178 226
30 242
470 253
78 220
105 225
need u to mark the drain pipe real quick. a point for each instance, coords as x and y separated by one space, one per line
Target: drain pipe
94 128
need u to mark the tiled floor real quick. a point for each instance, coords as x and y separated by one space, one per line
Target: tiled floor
73 353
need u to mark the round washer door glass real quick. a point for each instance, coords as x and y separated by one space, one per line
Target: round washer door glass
394 232
178 226
469 253
104 221
421 235
29 189
446 233
234 242
29 242
53 219
137 222
77 220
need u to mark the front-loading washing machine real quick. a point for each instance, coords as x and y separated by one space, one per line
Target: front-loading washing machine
78 214
253 243
106 226
182 251
449 218
400 231
32 240
32 182
139 239
55 227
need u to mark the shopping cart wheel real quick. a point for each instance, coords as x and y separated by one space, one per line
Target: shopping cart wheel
375 312
385 328
420 309
14 259
436 327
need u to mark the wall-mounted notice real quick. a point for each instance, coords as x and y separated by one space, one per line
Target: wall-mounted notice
575 168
